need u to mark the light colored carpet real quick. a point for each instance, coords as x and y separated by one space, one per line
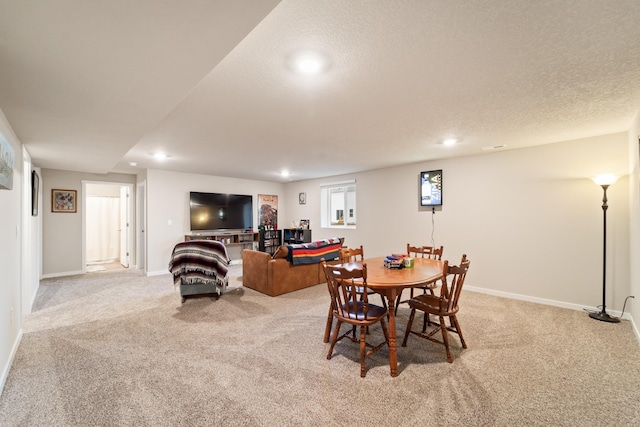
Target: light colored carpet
119 349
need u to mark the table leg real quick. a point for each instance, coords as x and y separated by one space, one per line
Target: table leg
393 347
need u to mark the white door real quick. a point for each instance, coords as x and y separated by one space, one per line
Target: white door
124 226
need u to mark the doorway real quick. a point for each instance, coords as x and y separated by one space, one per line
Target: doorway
106 223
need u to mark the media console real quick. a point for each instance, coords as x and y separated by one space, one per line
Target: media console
234 241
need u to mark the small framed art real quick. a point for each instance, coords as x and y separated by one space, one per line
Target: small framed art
302 198
64 201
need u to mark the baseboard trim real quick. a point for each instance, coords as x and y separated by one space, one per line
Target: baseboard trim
12 355
545 301
157 273
66 273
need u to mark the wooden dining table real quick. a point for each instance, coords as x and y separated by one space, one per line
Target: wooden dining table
390 282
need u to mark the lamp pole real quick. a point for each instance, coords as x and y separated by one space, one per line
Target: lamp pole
602 314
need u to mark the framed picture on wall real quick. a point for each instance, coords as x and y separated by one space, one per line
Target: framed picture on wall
64 201
268 211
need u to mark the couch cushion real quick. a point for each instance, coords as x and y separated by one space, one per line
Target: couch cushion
281 252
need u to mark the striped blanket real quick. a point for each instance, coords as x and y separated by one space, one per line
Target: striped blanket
199 261
312 253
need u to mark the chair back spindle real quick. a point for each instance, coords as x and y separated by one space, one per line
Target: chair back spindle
425 251
451 288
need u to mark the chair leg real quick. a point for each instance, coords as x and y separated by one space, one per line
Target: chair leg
334 338
425 322
409 324
398 301
445 339
327 329
454 320
363 350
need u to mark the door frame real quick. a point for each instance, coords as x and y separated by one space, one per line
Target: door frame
141 226
129 242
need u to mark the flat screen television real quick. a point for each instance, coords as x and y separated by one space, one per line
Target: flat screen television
431 188
220 211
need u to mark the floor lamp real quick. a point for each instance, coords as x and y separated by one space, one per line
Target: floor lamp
604 181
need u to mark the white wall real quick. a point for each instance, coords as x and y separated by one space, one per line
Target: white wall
168 208
530 220
634 213
10 258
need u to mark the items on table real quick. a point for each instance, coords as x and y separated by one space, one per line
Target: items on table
397 261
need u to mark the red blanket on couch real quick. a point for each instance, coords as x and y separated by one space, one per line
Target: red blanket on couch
312 253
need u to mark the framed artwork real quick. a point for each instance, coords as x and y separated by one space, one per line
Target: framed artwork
64 201
6 164
35 191
302 198
268 211
431 188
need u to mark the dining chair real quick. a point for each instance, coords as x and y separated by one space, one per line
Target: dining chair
353 308
349 255
357 255
420 252
424 251
443 306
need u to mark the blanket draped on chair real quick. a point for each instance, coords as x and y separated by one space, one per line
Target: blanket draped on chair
199 262
312 253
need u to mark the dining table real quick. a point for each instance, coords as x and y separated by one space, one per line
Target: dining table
389 282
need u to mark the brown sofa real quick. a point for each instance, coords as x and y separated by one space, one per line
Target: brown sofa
277 276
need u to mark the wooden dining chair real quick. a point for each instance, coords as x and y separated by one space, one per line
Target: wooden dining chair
349 255
443 306
357 255
353 308
424 251
420 252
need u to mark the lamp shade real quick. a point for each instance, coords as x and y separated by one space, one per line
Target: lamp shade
605 179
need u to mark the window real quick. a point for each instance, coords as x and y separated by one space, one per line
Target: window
338 205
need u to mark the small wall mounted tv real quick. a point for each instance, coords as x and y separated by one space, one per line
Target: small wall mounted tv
220 211
431 188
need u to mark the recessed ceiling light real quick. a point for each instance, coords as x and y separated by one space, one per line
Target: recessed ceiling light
450 141
308 63
133 163
159 156
284 173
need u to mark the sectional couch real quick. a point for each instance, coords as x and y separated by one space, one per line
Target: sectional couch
278 275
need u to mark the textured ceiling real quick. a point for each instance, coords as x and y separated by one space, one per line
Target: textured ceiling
94 86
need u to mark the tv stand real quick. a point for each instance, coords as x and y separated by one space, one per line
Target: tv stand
235 242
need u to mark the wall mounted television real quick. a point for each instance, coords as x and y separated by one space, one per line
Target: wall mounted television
431 188
214 212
